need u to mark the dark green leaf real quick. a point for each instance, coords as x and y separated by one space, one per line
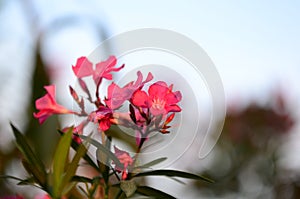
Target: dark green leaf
149 191
33 172
11 177
120 194
28 181
83 191
82 179
172 173
37 166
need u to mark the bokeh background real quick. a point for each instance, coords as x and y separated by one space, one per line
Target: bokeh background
255 46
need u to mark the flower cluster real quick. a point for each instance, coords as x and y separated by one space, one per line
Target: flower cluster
148 111
141 106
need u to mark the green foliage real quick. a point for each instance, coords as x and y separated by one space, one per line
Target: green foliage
59 180
152 163
103 149
31 162
172 173
149 191
59 164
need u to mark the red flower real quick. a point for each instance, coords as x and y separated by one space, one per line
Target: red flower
47 105
103 116
124 159
160 100
83 67
104 69
117 96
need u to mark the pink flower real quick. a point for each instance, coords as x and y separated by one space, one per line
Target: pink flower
160 99
104 69
103 116
124 159
83 67
48 106
117 96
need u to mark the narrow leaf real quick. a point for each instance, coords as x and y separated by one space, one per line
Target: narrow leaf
102 161
149 191
29 155
11 177
173 173
60 158
99 146
82 179
86 157
28 181
72 167
32 170
152 163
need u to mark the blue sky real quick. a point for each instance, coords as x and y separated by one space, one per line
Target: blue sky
254 44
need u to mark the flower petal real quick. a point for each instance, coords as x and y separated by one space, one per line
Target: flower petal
115 96
140 99
158 90
83 67
104 68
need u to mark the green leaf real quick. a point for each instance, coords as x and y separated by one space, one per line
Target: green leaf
11 177
28 181
120 194
32 170
72 167
102 163
86 157
36 165
173 173
128 187
99 146
152 163
82 179
149 191
60 158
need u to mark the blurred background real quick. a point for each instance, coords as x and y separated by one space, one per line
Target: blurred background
254 45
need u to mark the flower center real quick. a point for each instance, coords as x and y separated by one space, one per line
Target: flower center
158 104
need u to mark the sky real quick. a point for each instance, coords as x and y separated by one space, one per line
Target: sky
252 43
